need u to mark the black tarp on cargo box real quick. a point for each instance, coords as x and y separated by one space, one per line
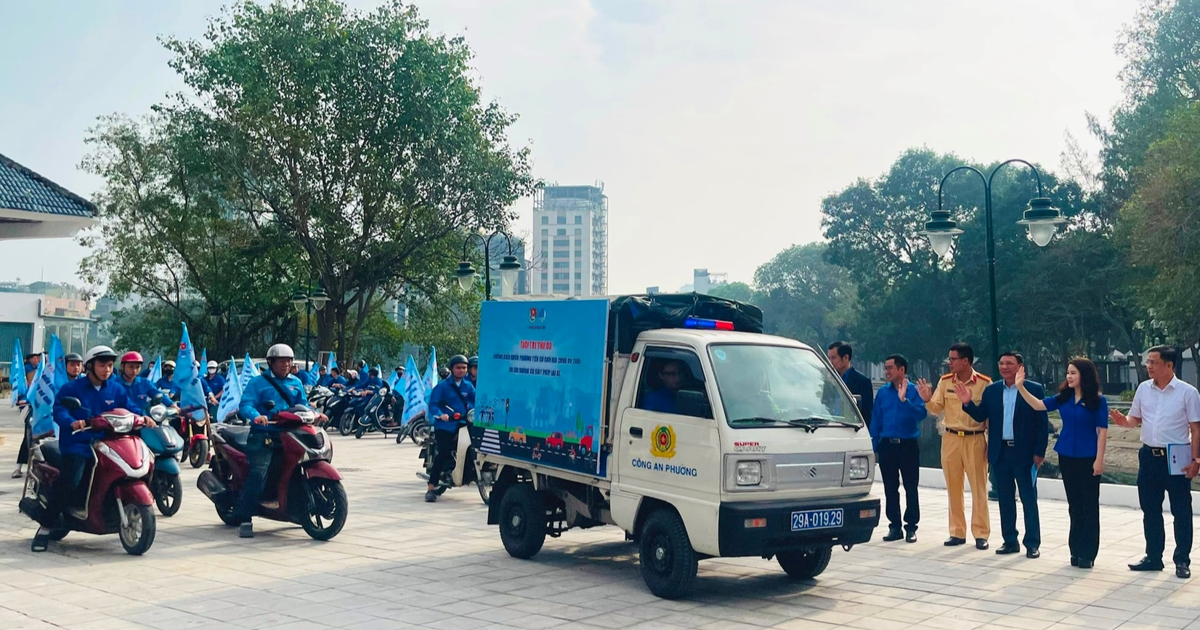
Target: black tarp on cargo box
632 314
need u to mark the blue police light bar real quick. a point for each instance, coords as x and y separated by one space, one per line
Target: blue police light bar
707 324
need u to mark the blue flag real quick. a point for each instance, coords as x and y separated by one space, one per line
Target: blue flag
232 396
392 380
414 392
248 372
431 374
254 371
155 372
41 397
187 377
204 361
60 362
314 373
16 372
332 360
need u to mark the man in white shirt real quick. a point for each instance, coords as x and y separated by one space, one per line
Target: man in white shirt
1168 411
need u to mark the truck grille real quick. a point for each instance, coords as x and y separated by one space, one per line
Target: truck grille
809 470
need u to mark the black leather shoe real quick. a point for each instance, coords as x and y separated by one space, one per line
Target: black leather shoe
954 542
1183 571
1074 561
893 534
911 537
1033 553
1084 564
981 544
1147 564
1006 549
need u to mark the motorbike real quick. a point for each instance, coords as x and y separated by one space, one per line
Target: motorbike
318 397
302 487
378 415
354 410
336 407
196 432
115 497
465 470
416 430
166 444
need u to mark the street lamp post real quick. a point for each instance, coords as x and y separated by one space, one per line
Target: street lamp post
1041 219
306 302
508 267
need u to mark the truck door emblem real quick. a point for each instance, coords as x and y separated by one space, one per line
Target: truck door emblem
662 442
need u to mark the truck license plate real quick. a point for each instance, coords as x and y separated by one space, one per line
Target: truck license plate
816 519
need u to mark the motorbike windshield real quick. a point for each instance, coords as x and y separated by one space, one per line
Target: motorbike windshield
780 386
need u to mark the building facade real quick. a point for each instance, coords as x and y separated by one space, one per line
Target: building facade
570 241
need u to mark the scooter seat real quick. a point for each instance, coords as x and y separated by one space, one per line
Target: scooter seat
51 453
235 436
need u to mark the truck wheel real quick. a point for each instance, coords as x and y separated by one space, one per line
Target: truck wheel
522 521
668 560
800 565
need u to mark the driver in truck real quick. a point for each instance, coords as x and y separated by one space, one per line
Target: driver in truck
662 399
450 396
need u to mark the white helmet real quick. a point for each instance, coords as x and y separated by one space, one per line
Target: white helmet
99 352
353 374
169 364
280 351
212 364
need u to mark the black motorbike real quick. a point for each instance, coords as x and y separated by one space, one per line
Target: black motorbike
379 415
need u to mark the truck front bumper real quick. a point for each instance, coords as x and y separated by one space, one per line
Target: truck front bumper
741 531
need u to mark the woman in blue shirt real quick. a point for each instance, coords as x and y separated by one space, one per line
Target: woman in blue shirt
1080 449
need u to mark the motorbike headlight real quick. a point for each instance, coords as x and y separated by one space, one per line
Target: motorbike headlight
859 467
119 423
749 473
158 412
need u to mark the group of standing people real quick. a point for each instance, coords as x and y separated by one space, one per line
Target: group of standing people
1004 425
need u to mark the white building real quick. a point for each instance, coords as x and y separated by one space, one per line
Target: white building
570 241
703 281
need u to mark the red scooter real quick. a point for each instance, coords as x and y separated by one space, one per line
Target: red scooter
114 497
302 486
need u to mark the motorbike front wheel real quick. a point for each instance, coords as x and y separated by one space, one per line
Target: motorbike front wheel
327 509
420 432
137 534
198 454
168 493
346 424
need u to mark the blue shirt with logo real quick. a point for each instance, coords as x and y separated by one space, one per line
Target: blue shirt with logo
444 400
260 391
94 401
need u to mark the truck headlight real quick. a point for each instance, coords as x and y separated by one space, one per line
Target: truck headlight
859 467
749 473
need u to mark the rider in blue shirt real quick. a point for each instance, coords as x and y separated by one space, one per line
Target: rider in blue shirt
450 396
97 393
165 384
265 395
138 389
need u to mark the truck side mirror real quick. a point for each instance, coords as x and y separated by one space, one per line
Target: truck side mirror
692 403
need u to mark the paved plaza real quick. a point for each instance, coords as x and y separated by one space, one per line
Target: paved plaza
402 563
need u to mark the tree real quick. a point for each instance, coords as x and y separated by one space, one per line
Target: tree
360 140
805 297
739 291
167 234
1163 227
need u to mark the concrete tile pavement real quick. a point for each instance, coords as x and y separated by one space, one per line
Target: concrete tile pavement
401 563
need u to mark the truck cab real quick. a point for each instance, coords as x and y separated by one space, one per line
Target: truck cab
715 440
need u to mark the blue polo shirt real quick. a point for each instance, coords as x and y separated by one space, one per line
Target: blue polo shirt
444 400
139 392
95 400
1079 425
216 384
893 418
259 391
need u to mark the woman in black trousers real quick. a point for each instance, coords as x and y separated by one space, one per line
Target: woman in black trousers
1080 449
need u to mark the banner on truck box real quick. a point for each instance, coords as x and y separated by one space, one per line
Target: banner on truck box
541 381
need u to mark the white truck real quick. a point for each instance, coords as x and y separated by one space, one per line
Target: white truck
675 419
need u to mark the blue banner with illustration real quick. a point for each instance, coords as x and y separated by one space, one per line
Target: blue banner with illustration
540 395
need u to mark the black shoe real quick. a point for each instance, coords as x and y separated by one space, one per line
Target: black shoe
1183 571
1083 564
893 534
954 542
1006 549
981 544
1032 553
431 496
911 537
246 530
1147 564
1074 561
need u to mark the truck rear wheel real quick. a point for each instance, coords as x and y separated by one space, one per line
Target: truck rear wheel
668 560
522 521
800 565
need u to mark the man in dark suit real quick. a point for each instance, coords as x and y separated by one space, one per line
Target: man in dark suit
839 354
1017 437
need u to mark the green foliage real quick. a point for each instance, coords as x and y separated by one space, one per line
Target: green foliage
739 291
805 297
447 320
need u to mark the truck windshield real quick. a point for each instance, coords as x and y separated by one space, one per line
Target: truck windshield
764 386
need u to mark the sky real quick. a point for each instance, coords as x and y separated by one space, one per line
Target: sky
716 126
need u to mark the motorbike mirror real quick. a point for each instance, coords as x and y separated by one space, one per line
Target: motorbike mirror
158 399
71 403
270 405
